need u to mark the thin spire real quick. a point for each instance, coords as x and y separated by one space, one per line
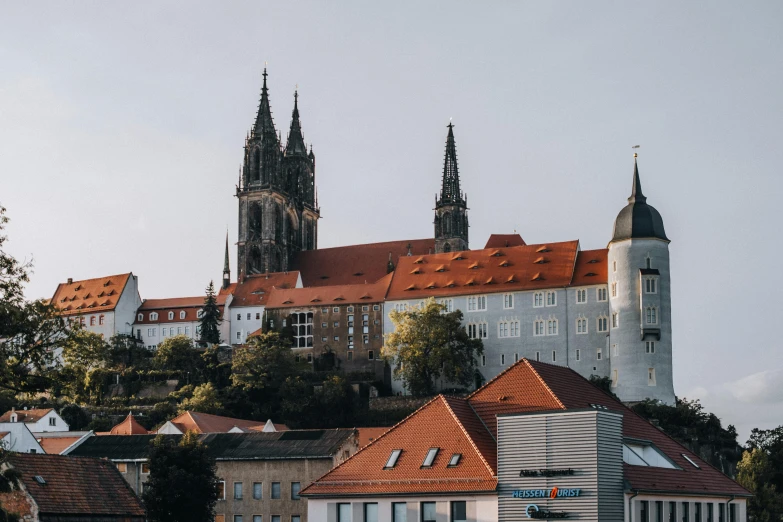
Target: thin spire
296 144
450 190
636 190
226 268
264 123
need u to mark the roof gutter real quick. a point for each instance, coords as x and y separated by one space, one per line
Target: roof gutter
732 496
728 510
630 504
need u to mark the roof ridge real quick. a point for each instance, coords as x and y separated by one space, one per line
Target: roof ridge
465 432
538 375
573 265
97 278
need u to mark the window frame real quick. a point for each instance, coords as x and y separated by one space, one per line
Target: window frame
581 296
272 491
241 490
508 301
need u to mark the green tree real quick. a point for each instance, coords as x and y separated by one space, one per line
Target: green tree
205 399
604 384
75 416
9 481
755 473
129 352
178 353
771 443
264 364
210 318
183 484
29 330
83 352
428 344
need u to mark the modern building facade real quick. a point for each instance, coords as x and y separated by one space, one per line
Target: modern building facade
537 442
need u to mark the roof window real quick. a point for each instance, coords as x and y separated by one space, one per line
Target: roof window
593 261
490 281
441 268
645 453
395 455
511 279
504 263
590 274
419 261
107 283
686 457
430 458
543 249
474 266
598 406
458 257
454 460
537 277
39 479
357 274
496 253
416 271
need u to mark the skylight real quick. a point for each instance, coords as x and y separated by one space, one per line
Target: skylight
691 461
39 479
644 453
430 458
455 459
395 454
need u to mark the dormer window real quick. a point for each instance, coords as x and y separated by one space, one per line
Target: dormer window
199 313
154 316
454 460
430 458
171 316
395 455
182 314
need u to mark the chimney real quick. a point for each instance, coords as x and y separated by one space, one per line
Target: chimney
70 280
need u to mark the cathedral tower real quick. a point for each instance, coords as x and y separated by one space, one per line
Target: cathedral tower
451 208
639 280
278 214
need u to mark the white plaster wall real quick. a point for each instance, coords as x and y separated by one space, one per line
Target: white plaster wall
243 326
43 423
742 511
125 311
481 508
20 439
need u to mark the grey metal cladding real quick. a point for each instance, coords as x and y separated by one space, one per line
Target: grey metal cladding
587 442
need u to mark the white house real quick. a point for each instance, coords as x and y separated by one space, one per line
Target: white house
36 419
16 436
158 319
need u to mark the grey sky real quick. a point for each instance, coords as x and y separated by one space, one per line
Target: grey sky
122 124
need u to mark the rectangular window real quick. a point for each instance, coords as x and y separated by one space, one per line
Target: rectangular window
686 512
482 302
448 303
650 286
508 301
615 350
122 467
658 511
483 360
578 355
239 335
721 512
350 356
336 309
710 512
552 327
323 339
222 490
645 511
237 518
343 512
649 346
601 294
258 316
296 487
371 355
275 490
652 315
164 331
459 512
258 518
598 354
733 513
258 490
615 376
237 491
538 299
376 308
428 513
350 309
551 299
538 328
370 512
276 518
554 356
296 518
538 356
179 330
324 325
614 289
581 325
52 421
697 512
502 358
581 296
650 376
365 339
145 467
615 320
603 322
516 357
336 324
399 512
239 317
187 330
672 512
395 454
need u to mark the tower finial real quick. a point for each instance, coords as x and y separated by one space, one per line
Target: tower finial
295 143
636 190
226 267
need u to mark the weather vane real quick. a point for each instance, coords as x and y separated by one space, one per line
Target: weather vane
635 147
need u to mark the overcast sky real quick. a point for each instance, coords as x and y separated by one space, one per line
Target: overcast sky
122 125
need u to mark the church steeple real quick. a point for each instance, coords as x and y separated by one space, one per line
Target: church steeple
226 268
295 143
451 208
636 189
264 123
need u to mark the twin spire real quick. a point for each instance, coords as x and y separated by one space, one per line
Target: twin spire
265 126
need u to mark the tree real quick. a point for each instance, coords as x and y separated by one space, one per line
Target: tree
29 330
428 344
83 352
75 416
178 353
128 352
9 481
771 443
604 384
204 399
264 363
183 484
210 318
755 472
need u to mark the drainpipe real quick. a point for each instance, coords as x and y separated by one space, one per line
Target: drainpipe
630 505
728 511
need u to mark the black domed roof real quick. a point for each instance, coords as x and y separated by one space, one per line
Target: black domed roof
638 219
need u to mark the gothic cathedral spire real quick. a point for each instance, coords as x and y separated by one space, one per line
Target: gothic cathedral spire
277 210
451 208
226 268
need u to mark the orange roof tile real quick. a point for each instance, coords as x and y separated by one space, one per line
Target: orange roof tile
355 264
56 445
189 305
129 426
31 415
485 271
252 291
90 295
367 435
445 423
591 268
329 295
206 423
504 240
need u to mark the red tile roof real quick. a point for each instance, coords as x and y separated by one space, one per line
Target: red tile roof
129 426
355 264
76 485
591 268
56 445
206 423
254 289
504 240
484 271
330 295
469 426
31 415
437 424
189 305
367 435
90 295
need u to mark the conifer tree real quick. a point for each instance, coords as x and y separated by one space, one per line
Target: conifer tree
210 318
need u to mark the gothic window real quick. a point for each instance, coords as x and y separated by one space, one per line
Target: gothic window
256 263
278 224
447 247
652 315
255 168
256 221
446 224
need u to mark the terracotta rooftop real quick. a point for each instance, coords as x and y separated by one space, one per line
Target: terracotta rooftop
355 264
469 426
31 415
76 485
90 295
367 435
489 270
54 442
254 289
129 426
330 295
206 423
189 305
504 240
591 268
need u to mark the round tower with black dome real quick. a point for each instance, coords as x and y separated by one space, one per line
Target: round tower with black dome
640 343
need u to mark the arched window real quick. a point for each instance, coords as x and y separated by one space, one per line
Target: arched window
101 319
652 315
182 314
446 247
171 316
256 165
